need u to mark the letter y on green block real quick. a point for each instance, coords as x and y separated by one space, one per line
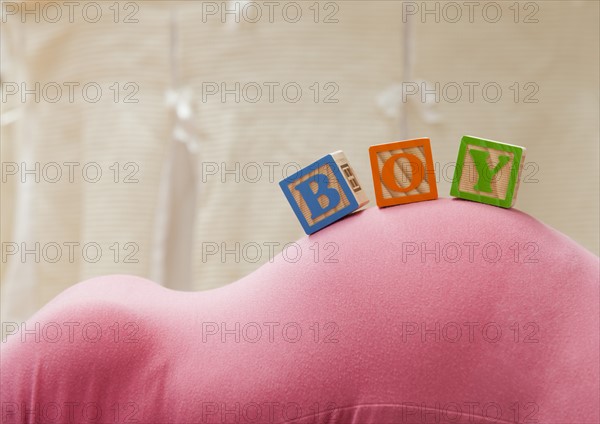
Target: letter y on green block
498 168
486 174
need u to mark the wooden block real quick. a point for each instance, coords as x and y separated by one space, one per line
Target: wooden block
403 172
488 171
324 192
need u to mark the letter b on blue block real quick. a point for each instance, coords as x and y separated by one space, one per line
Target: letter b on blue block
312 197
320 194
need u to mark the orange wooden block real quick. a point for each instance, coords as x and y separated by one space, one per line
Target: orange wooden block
403 172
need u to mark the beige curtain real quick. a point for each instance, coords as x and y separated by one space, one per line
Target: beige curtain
188 194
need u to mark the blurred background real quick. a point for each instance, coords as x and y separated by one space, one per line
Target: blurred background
149 137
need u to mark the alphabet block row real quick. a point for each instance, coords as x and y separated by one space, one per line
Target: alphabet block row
403 172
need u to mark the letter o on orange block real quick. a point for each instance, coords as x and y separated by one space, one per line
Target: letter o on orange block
389 179
421 171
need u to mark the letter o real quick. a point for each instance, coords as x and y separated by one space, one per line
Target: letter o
98 12
498 12
496 246
298 329
245 332
484 332
285 90
58 332
85 333
298 12
284 252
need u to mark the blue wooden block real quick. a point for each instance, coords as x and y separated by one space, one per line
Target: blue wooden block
324 192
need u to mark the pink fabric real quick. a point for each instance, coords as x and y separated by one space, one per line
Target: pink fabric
388 348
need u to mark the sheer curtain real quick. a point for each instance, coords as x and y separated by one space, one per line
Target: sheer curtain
190 163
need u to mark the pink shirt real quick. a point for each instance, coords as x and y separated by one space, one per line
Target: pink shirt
440 311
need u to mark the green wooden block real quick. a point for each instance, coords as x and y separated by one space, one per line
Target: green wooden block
487 171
